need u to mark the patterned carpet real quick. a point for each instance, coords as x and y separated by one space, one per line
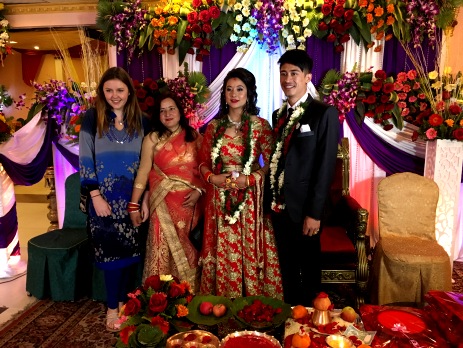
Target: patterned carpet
80 324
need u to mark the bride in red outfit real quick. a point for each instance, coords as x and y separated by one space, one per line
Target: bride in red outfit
239 255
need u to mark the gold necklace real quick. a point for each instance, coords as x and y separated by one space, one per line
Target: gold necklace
236 124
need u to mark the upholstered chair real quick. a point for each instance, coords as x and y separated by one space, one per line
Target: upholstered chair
408 261
343 242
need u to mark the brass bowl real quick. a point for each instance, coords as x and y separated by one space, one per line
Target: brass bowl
251 334
321 317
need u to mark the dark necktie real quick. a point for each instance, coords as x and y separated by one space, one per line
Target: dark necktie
290 112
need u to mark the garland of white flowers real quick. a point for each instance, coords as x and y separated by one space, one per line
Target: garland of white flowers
295 116
249 151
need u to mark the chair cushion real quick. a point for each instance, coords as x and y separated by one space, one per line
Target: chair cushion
337 249
413 250
65 238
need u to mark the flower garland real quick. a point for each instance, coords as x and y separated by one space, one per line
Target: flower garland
231 209
282 144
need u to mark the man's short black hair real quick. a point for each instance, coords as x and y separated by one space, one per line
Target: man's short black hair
298 58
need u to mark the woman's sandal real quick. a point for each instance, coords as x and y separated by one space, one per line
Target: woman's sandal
112 320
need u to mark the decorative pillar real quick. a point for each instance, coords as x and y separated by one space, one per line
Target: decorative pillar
52 206
443 164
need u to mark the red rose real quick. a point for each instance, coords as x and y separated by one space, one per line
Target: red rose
344 38
338 11
153 86
384 98
371 99
132 306
331 38
149 101
339 29
339 48
388 106
435 120
388 88
326 9
198 42
205 52
388 127
191 50
458 134
214 12
199 57
158 302
161 323
175 290
370 113
126 332
207 42
204 16
334 23
349 14
379 109
207 28
347 25
192 17
387 116
141 93
322 26
187 37
196 28
454 109
154 282
196 3
414 136
377 85
380 74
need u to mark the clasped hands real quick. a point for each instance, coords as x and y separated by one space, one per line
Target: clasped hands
230 181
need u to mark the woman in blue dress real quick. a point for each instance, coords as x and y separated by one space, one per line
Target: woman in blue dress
110 144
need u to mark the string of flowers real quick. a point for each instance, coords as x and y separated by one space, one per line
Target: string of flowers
297 22
281 146
233 201
245 26
269 14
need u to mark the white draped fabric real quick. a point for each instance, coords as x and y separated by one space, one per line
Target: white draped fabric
22 148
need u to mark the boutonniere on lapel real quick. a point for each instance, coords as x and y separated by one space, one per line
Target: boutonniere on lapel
277 168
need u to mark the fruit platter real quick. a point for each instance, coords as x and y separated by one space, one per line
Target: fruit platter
343 327
209 309
260 312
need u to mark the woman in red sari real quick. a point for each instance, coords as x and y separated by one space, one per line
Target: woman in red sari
239 255
169 163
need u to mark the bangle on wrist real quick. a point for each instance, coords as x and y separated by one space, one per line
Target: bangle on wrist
133 211
207 177
247 180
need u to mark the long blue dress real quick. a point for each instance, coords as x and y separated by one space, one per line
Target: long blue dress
110 164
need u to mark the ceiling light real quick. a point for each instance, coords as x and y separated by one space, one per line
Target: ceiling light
36 47
12 42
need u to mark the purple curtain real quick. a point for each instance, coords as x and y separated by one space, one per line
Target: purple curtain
396 60
324 58
149 64
32 173
218 59
386 156
9 227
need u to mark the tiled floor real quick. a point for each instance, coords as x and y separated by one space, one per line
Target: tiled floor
32 211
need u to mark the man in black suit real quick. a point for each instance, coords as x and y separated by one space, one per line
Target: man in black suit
301 171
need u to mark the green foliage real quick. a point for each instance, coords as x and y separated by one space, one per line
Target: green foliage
107 9
329 82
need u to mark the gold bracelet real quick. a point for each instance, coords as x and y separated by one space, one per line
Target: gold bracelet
247 180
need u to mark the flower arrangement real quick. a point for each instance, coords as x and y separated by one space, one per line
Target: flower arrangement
445 95
378 99
336 23
269 14
198 31
5 49
189 87
379 15
420 15
244 25
412 102
299 20
152 309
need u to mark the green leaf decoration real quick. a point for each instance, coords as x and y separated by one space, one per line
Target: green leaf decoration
331 78
195 316
105 10
199 81
397 119
34 110
359 112
150 43
183 48
149 336
182 24
355 34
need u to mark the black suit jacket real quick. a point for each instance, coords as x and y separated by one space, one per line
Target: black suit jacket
310 161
